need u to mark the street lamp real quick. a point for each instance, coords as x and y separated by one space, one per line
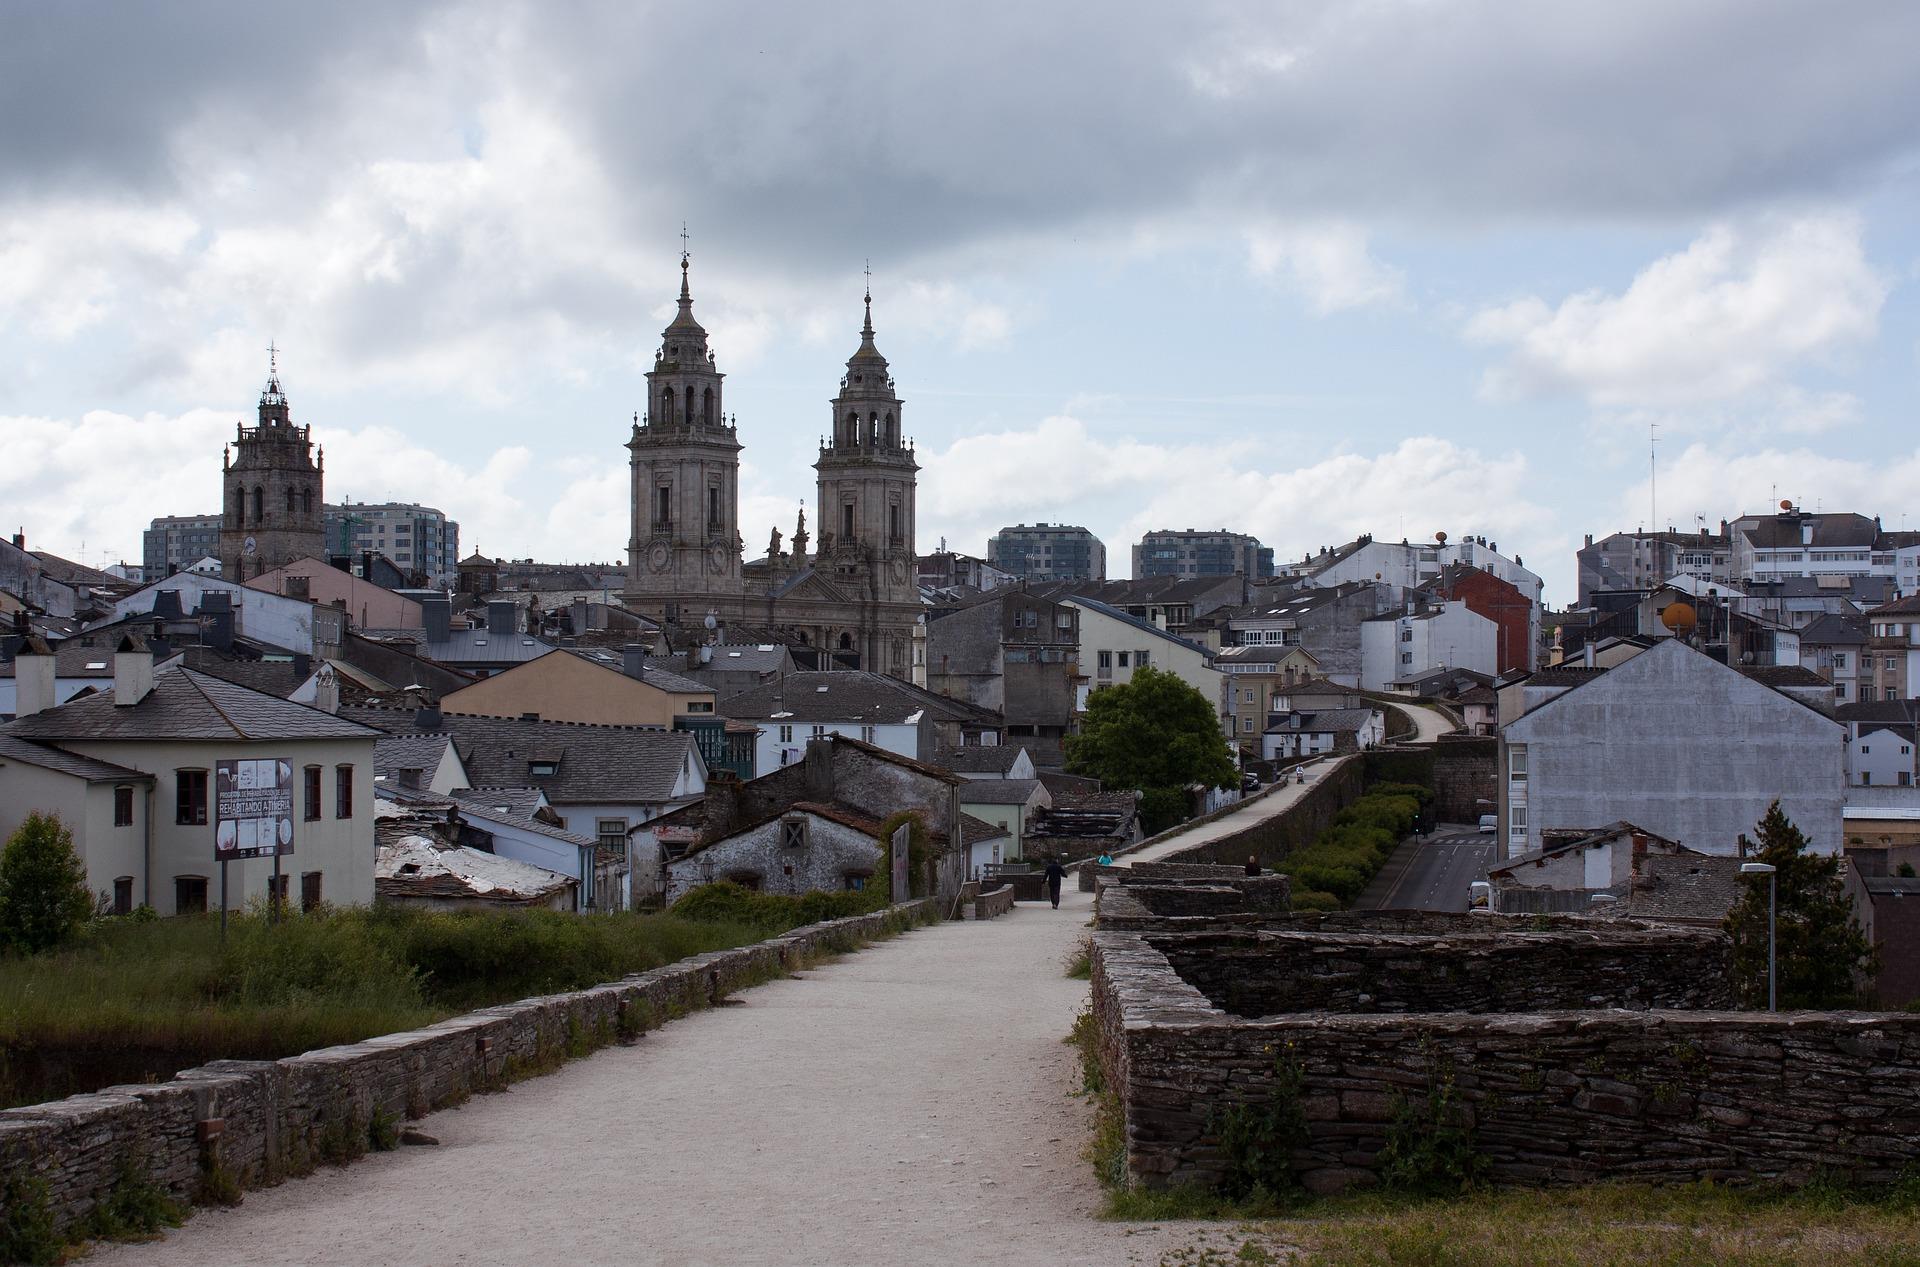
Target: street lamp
1767 870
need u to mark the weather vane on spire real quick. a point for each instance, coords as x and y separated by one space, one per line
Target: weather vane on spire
683 241
869 281
273 359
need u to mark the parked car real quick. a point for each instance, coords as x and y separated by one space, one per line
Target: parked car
1250 782
1489 824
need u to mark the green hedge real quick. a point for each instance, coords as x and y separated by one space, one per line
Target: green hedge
724 902
1344 858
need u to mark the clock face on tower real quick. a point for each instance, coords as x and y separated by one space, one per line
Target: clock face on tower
249 546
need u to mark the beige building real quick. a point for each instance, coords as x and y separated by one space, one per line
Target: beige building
1250 678
133 772
562 686
368 605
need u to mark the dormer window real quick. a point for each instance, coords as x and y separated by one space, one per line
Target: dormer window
543 769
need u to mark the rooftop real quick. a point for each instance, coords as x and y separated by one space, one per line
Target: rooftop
189 705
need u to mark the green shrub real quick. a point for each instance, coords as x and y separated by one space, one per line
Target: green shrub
135 1208
725 902
1314 900
1428 1151
28 1233
43 886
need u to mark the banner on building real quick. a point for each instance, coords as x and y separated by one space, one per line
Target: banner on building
252 808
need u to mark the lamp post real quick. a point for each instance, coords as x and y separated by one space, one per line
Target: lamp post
1767 870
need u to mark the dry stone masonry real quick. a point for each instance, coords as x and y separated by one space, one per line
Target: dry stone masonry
1568 1052
257 1122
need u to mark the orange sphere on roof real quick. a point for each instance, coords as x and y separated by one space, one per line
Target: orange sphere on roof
1679 617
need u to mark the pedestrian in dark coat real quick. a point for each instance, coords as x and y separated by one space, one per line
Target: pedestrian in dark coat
1055 874
1253 864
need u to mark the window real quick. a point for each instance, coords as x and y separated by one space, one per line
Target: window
856 881
786 734
543 769
700 706
1839 659
612 832
190 799
663 506
749 880
713 508
123 895
310 793
1906 778
343 791
893 521
818 732
1892 664
1866 776
1517 820
189 895
123 807
1140 659
1517 764
309 890
793 833
277 891
866 734
846 521
1246 725
1123 659
1106 659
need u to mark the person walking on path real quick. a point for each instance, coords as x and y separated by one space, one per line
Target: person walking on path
1055 874
1253 864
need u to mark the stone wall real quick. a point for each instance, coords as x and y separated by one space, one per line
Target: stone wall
1465 777
263 1121
991 904
1548 1097
1272 839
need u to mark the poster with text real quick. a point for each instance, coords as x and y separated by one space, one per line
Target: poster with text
252 808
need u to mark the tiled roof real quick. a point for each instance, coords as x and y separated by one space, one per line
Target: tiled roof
609 764
974 830
187 704
845 695
979 758
998 791
47 757
1908 606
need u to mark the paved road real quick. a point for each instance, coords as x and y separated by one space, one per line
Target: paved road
909 1104
1428 724
1431 875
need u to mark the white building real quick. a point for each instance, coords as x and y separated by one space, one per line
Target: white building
1409 644
1114 645
1407 565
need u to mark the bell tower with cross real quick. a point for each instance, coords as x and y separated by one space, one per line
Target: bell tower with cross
272 500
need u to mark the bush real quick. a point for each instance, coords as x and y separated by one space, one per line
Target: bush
43 886
1342 860
725 902
1314 900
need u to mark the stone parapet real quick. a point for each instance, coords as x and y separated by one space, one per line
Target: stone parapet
258 1122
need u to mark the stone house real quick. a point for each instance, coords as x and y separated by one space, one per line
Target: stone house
1572 866
1081 825
1674 741
807 846
135 771
859 779
1017 653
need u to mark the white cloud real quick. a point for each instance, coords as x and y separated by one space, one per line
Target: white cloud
1328 264
1727 316
1715 483
1060 471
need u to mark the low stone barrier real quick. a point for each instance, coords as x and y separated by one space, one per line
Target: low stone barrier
1574 1094
993 903
254 1123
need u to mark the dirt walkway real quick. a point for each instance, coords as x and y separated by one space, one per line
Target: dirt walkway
908 1104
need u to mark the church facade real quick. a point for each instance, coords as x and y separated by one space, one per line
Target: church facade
856 597
272 503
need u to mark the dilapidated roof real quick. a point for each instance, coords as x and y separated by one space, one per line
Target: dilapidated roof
420 867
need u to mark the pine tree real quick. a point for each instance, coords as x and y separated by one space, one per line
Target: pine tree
1822 952
43 886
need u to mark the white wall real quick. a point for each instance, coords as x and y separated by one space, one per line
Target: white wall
86 809
1878 758
769 746
1101 632
1452 638
269 618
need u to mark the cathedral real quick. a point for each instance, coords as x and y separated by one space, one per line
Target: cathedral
856 597
271 500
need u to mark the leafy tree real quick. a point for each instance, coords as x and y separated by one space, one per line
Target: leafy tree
1820 946
43 886
1155 734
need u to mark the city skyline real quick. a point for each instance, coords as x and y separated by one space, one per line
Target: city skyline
1361 269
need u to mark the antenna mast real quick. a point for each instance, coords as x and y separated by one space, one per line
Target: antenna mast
1653 478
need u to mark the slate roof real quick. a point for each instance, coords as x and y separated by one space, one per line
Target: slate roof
1908 606
47 757
1783 675
1576 840
418 750
1336 720
1833 630
1261 653
979 758
67 572
466 646
751 658
974 830
998 791
83 656
847 695
1783 532
608 764
1891 885
186 704
272 677
513 807
1687 886
1563 675
658 674
1882 712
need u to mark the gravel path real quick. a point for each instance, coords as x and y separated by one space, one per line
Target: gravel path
1256 811
907 1104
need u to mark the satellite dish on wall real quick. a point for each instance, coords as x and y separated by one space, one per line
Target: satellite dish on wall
1679 618
1786 503
712 621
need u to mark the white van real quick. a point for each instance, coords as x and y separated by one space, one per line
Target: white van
1489 824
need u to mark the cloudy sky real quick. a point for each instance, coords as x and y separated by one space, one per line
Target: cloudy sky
1301 269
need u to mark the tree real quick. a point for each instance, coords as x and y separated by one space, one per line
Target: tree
1822 951
43 886
1155 734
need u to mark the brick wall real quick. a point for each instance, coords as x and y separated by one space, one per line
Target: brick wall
266 1120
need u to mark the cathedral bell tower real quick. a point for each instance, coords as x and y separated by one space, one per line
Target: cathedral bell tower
685 545
866 487
271 501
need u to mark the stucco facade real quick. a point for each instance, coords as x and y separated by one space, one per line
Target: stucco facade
111 851
371 606
560 686
1677 743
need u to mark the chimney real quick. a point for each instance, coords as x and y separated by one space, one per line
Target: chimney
633 661
132 672
723 804
166 605
326 690
20 539
33 677
302 665
437 614
500 616
427 715
579 616
819 770
1587 654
